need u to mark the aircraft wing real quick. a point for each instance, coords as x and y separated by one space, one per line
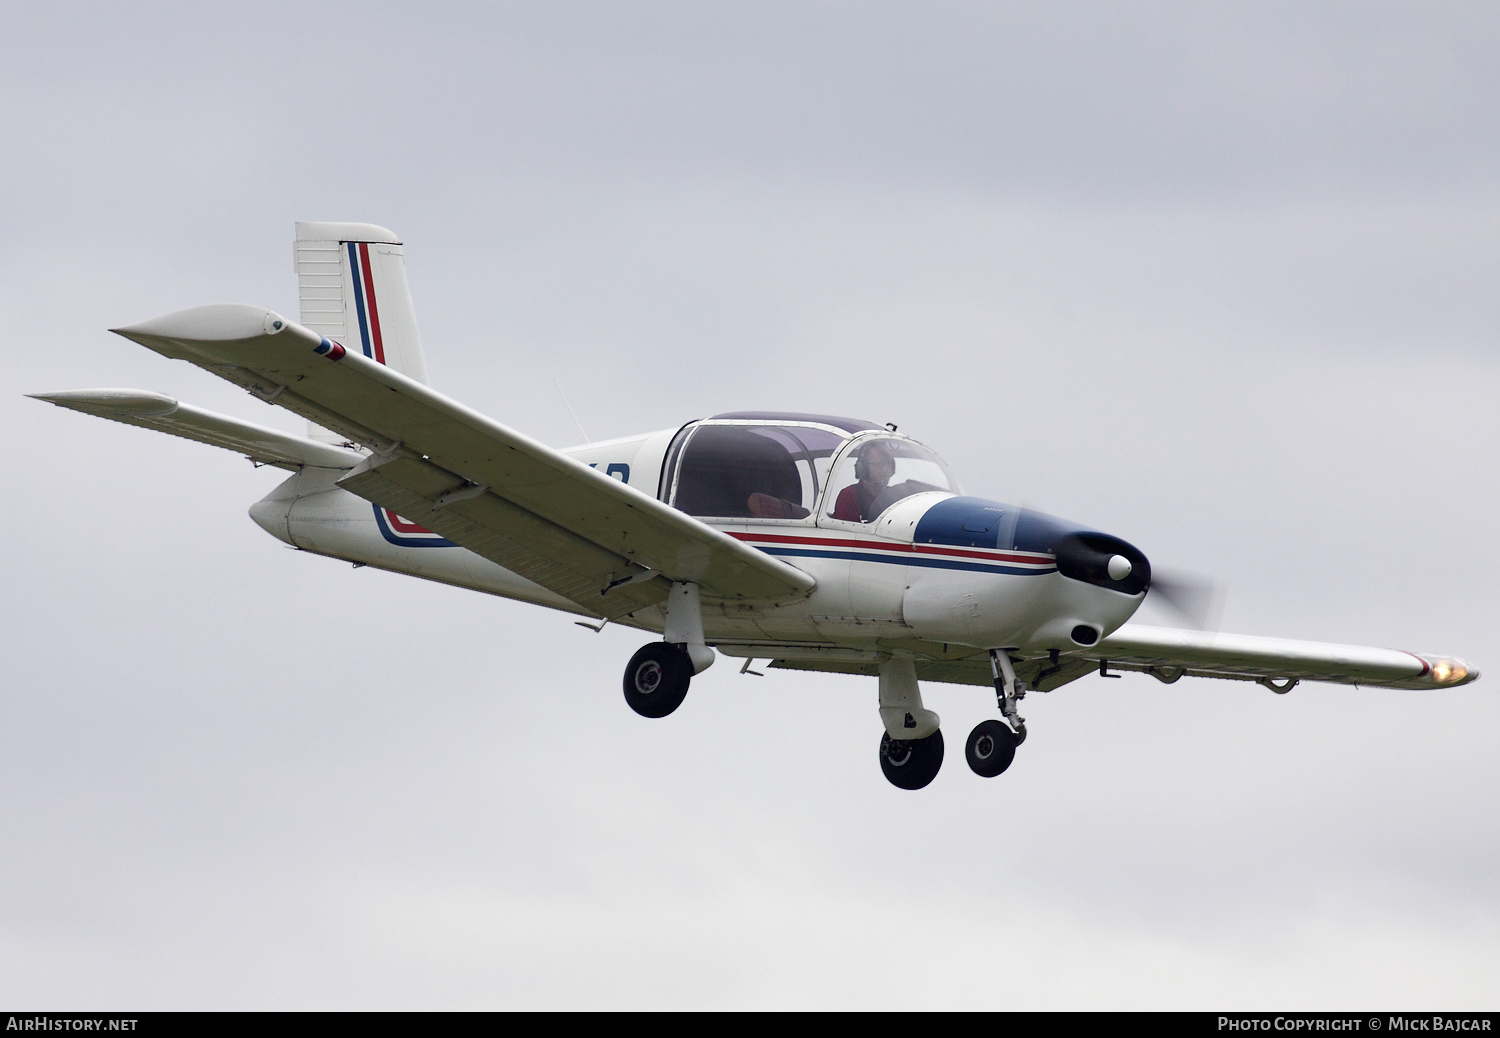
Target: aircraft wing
1166 654
590 538
154 411
1169 653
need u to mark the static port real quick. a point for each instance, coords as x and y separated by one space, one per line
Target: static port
1083 634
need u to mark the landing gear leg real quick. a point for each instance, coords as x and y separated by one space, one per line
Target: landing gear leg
1009 691
685 625
991 746
911 750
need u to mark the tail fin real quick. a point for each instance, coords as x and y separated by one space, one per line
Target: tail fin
351 282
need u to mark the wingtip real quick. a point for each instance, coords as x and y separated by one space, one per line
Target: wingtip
1448 671
217 322
139 403
59 399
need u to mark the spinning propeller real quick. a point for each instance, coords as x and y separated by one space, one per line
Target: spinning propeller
1193 598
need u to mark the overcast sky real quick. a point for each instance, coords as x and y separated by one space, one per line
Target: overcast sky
1218 279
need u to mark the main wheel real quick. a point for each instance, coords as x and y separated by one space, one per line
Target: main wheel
656 679
991 748
911 763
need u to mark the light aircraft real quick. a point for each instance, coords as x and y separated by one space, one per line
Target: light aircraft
809 541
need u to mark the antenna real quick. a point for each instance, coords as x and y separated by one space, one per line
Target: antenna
571 411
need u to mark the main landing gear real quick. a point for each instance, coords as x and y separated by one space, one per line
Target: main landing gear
656 679
911 750
658 675
911 763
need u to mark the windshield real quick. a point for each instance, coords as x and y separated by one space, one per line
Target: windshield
880 471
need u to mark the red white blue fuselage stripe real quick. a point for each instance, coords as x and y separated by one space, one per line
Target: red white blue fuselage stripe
927 556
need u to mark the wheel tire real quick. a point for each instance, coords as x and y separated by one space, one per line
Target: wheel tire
656 679
990 748
911 763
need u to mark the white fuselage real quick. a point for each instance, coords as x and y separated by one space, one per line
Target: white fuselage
876 588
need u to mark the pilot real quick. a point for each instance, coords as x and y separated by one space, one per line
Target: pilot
873 469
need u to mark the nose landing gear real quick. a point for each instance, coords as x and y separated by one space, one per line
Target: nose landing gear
991 746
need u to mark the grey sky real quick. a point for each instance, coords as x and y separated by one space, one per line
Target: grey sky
1217 279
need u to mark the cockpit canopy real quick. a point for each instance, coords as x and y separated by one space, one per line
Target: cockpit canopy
876 471
774 465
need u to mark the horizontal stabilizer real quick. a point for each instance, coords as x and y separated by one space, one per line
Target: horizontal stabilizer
164 414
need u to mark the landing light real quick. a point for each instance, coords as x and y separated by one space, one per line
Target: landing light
1446 671
1119 567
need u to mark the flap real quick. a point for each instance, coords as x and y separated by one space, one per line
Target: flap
602 582
1041 673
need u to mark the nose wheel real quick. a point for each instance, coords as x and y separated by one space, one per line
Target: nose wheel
656 679
990 748
911 763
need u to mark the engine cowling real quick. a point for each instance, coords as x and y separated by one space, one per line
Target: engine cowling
1020 578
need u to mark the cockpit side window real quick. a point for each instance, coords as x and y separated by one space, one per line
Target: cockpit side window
746 471
878 472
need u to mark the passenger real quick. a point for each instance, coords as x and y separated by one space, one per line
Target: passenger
769 506
873 469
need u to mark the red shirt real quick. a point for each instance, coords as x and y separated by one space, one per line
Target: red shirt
850 504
